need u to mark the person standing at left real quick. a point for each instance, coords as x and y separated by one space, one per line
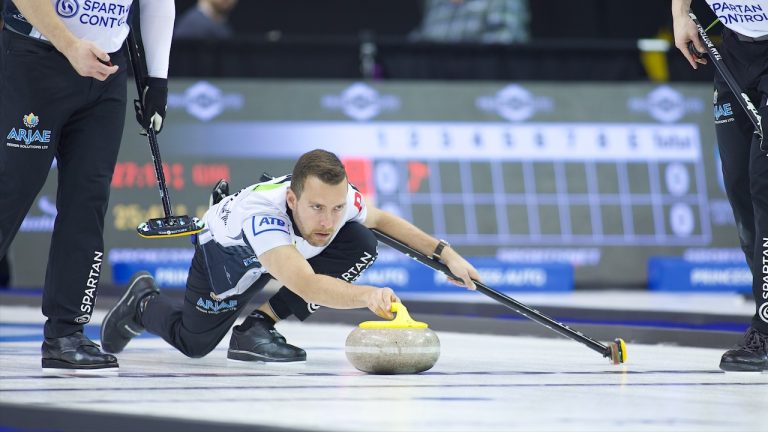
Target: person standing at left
63 94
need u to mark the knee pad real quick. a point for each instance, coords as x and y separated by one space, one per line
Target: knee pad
286 303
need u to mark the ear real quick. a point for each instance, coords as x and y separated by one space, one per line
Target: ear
291 199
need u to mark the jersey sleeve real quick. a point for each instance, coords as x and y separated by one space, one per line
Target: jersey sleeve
267 231
356 209
157 18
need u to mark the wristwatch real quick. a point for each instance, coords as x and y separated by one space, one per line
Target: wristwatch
436 255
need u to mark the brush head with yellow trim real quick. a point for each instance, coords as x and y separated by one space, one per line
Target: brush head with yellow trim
173 226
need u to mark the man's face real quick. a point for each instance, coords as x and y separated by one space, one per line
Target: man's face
319 210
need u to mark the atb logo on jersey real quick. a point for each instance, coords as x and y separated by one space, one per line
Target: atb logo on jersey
67 8
31 120
272 221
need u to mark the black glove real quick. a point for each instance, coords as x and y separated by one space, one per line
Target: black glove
154 100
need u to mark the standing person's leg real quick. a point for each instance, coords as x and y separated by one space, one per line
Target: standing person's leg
758 172
352 251
86 155
31 122
734 132
759 175
745 171
752 353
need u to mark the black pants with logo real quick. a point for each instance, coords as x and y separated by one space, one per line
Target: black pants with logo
745 166
48 111
196 326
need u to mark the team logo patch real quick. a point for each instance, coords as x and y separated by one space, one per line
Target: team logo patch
67 8
215 307
763 312
723 110
723 113
266 223
26 138
271 221
31 120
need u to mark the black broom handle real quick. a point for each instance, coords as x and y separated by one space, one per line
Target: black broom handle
502 298
137 63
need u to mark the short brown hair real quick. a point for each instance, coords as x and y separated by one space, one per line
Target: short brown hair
319 163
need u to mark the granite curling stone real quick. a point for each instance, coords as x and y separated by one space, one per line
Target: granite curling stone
400 346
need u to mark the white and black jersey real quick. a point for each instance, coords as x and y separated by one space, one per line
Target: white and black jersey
105 23
746 17
256 219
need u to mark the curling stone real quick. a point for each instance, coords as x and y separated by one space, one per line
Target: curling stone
400 346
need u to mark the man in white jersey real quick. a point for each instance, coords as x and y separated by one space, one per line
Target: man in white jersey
745 165
310 231
63 91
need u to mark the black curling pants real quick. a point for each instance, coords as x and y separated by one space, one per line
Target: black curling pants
48 111
196 326
745 165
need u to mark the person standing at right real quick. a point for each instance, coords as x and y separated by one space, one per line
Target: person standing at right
745 164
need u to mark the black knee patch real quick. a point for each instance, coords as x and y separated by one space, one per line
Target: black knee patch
286 303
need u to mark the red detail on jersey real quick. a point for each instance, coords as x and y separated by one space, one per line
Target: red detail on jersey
358 202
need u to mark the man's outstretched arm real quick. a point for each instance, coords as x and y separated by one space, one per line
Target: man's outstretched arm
411 235
288 266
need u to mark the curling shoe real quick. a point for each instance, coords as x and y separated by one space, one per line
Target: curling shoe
76 354
257 340
218 193
123 322
750 356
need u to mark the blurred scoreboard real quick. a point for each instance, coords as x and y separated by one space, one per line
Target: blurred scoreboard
594 177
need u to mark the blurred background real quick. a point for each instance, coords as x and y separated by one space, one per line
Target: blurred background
562 145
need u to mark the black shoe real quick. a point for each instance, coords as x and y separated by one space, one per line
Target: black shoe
76 354
750 356
257 340
122 321
219 192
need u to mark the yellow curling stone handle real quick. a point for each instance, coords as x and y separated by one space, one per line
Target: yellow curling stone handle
402 320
